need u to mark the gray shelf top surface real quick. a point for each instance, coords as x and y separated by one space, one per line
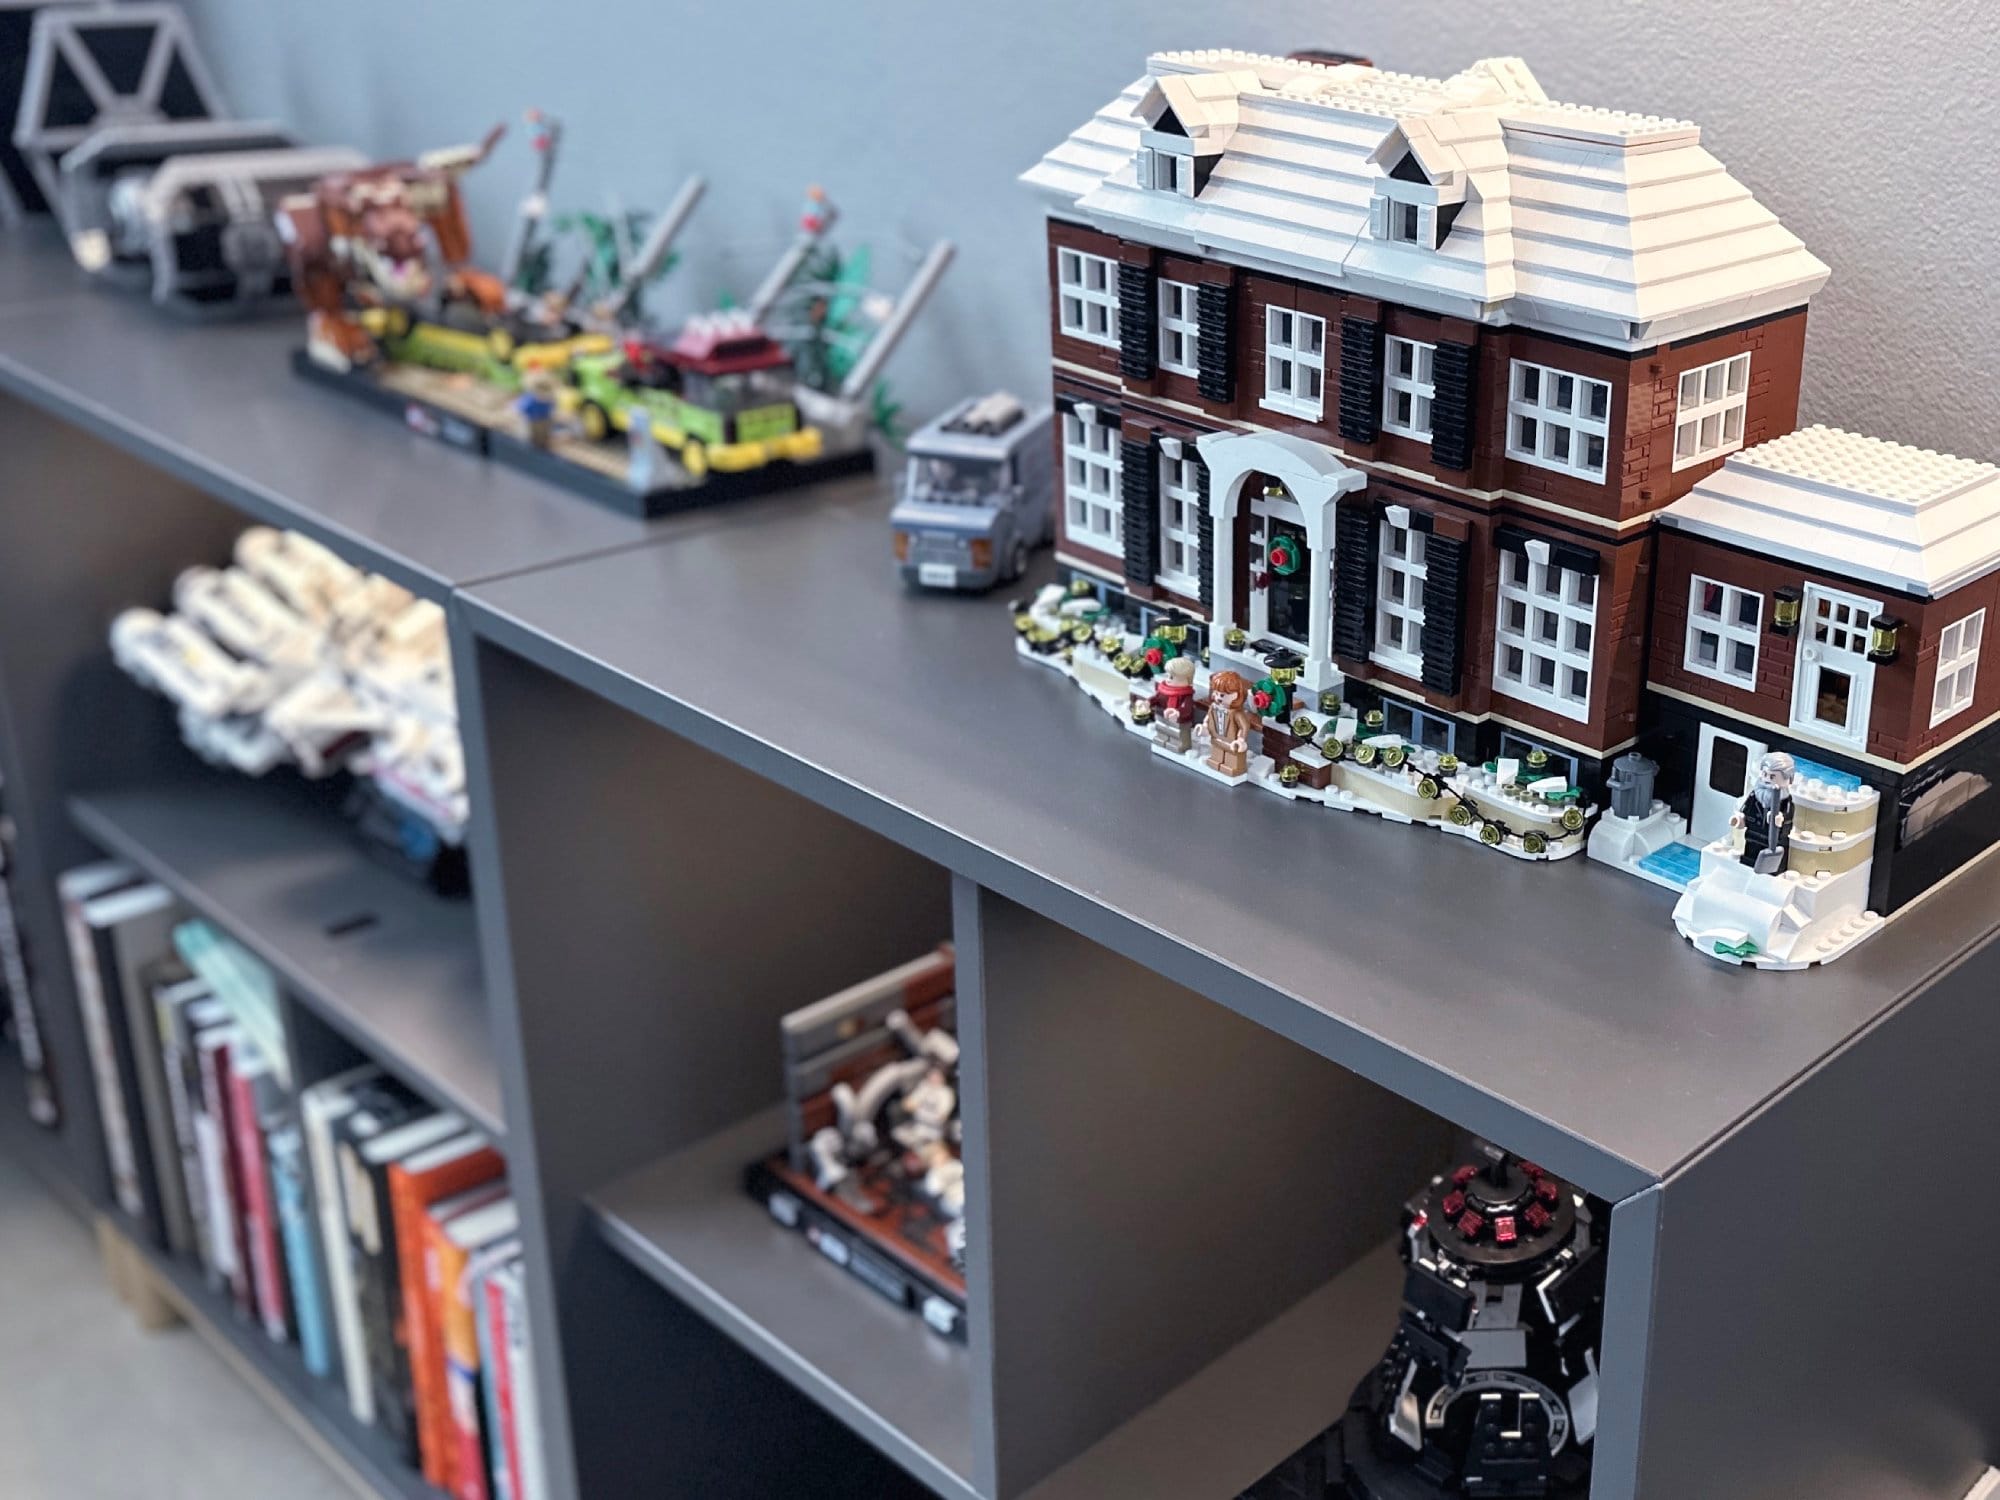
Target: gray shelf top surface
36 266
1550 1006
387 963
217 405
687 1222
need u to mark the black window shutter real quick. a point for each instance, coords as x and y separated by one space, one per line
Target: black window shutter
1139 491
1138 321
1360 379
1455 377
1444 611
1215 343
1204 531
1355 537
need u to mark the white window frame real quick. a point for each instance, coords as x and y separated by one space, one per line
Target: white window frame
1418 384
1077 299
1180 521
1542 606
1180 321
1726 628
1957 666
1711 406
1561 429
1093 503
1294 361
1852 659
1404 567
1266 510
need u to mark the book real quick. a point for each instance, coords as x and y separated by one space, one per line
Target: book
365 1159
436 1176
216 1138
185 1012
368 1089
249 1107
525 1455
489 1310
76 889
292 1193
146 968
457 1250
241 981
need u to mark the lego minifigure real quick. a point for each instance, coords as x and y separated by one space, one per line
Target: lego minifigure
1174 715
1228 723
1766 815
536 407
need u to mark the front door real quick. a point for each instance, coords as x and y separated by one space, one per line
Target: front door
1833 684
1724 770
1280 559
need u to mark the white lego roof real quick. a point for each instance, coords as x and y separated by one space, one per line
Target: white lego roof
1617 228
1905 518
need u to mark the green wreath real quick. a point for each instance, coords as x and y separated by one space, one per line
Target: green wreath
1282 558
1158 651
1270 698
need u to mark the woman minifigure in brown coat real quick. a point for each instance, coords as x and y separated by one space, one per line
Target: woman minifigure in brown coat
1229 723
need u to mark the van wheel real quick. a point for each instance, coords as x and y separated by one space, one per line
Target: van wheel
1017 560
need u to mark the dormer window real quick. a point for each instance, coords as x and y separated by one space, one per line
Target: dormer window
1168 172
1414 203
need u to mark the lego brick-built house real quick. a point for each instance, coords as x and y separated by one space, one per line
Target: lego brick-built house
1446 349
1826 595
1479 410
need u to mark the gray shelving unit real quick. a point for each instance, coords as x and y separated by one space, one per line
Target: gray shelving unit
724 764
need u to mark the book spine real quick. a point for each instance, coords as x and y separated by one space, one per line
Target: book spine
295 1227
318 1113
127 1060
260 1223
529 1480
372 1239
187 1149
417 1258
447 1268
489 1304
103 1060
146 1036
232 1249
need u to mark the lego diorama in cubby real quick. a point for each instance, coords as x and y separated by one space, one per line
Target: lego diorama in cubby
1489 1386
871 1173
1429 449
289 660
551 364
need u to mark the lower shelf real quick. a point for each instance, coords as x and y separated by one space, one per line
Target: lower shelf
1256 1405
687 1223
318 1408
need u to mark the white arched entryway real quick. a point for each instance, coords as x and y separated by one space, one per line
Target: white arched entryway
1316 480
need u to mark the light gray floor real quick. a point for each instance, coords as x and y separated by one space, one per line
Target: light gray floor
92 1407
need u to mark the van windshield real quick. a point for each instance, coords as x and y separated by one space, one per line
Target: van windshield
953 480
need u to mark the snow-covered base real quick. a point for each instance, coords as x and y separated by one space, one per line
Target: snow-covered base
1986 1488
1793 920
1624 842
1369 789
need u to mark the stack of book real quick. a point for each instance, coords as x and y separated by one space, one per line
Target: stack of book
342 1216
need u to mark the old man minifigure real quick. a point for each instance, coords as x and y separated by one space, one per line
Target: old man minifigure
1766 815
1229 723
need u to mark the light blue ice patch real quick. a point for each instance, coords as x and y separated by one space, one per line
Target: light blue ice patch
1677 864
1812 770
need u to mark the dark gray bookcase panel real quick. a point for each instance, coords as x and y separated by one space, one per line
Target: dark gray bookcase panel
1551 1007
378 957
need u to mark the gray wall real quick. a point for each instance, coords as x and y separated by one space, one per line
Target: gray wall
1869 128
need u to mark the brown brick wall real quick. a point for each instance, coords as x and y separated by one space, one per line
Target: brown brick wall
1899 727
